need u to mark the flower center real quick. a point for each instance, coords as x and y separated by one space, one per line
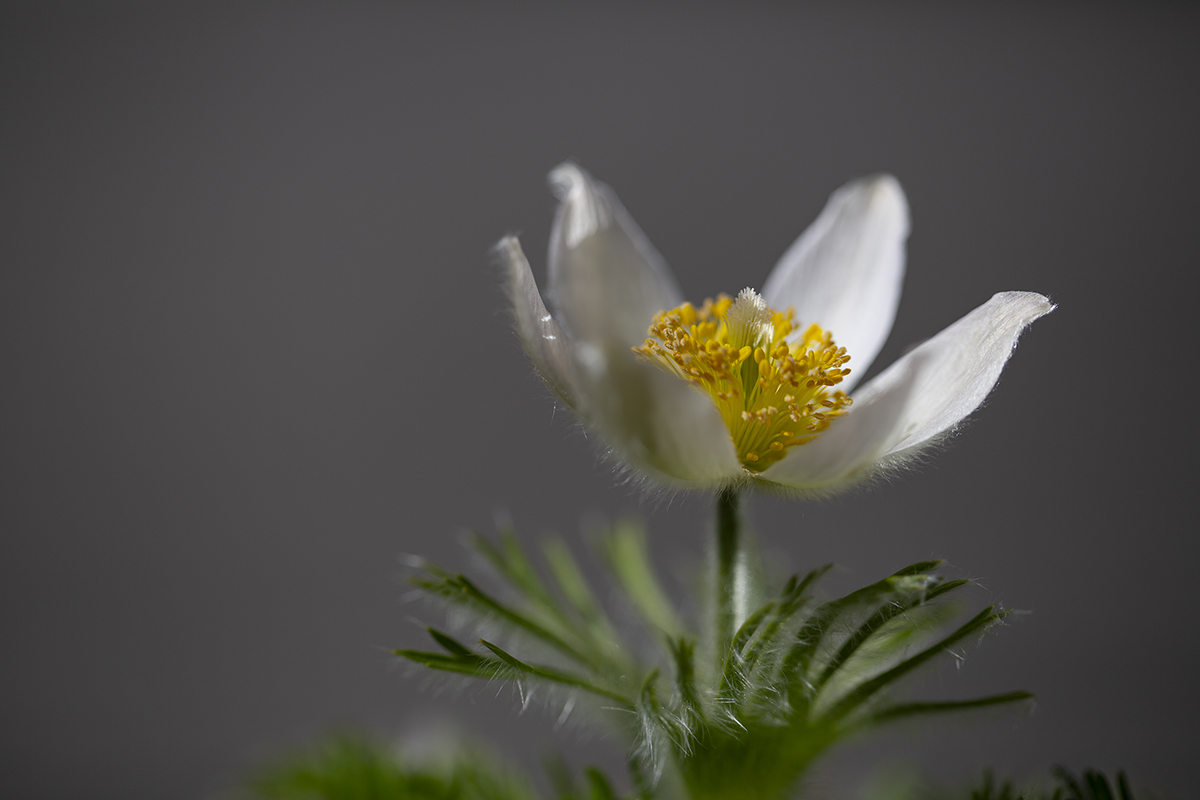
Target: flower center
771 387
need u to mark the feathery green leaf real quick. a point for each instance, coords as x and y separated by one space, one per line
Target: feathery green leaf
980 622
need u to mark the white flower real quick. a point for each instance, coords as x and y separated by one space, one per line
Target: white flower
751 390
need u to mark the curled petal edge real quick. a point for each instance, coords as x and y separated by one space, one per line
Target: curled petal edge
960 366
544 340
916 400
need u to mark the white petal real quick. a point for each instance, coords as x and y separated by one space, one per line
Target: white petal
544 341
655 421
923 395
844 273
853 443
955 370
606 280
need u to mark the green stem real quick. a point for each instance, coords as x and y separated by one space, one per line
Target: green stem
728 546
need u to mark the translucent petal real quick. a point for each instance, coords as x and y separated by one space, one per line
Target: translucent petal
844 273
923 395
655 421
606 280
954 371
543 339
853 443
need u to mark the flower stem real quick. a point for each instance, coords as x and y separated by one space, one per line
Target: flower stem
728 547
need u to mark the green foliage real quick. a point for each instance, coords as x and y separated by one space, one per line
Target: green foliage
353 769
739 713
1092 785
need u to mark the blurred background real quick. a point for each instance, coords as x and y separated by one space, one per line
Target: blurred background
253 352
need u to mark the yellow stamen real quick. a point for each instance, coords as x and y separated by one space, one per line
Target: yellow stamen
772 392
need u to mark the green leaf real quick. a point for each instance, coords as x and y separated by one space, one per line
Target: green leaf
512 563
350 768
881 617
571 583
648 694
904 710
593 625
557 676
812 633
476 666
1123 787
918 568
732 677
1095 786
452 645
992 791
601 790
980 622
578 627
746 720
461 590
791 600
629 559
683 651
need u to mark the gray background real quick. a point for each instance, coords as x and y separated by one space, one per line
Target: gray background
253 351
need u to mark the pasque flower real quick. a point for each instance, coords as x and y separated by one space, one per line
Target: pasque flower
757 388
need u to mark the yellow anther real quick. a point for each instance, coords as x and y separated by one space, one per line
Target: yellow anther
694 344
687 313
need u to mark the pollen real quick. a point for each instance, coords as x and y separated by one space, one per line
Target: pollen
772 383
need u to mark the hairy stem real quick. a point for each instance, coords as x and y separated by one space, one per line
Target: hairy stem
728 552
